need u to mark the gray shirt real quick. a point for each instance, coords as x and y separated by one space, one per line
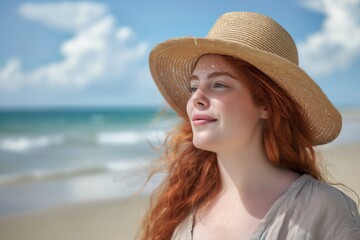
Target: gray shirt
309 209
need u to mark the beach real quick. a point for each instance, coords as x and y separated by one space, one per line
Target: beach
118 216
110 219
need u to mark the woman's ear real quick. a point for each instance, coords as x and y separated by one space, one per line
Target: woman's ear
264 113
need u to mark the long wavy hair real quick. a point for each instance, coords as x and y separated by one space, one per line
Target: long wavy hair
193 178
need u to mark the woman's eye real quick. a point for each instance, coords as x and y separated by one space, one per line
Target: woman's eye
219 85
192 89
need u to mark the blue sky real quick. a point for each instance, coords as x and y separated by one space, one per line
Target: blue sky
77 53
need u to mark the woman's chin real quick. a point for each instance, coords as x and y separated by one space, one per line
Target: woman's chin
204 144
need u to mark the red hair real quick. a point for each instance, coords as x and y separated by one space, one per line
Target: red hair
193 175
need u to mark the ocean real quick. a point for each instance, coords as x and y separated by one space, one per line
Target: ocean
54 157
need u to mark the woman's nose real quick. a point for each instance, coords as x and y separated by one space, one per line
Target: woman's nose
199 98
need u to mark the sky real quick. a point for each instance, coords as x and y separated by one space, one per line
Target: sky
95 53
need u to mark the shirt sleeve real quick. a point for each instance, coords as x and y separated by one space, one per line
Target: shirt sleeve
338 216
350 229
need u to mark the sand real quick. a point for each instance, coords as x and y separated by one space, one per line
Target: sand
343 165
102 220
119 219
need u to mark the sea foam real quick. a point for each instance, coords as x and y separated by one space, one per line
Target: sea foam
20 144
130 137
71 172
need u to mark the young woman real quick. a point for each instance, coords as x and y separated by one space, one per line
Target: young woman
241 165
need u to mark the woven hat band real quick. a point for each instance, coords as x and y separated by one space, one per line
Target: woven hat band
256 31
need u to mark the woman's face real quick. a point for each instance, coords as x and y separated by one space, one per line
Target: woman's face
221 110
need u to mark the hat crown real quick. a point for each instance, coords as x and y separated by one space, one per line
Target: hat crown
256 31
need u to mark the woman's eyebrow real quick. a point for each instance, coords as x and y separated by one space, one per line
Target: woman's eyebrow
217 74
194 77
213 75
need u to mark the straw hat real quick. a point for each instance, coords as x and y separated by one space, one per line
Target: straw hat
262 42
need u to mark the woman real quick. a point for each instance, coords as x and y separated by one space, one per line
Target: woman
241 165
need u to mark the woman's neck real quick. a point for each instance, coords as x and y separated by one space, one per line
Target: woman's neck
248 176
245 171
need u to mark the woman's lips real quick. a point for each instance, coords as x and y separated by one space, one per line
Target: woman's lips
202 119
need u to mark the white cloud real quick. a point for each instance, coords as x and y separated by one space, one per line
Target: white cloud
71 16
337 44
10 75
98 51
124 33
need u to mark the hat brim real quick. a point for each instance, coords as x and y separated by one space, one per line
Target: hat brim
171 64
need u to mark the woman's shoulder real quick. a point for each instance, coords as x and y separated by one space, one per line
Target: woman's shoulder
323 209
322 196
312 209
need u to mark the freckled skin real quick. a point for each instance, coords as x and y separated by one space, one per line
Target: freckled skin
238 119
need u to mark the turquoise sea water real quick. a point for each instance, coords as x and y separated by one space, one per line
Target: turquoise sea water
50 152
52 157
